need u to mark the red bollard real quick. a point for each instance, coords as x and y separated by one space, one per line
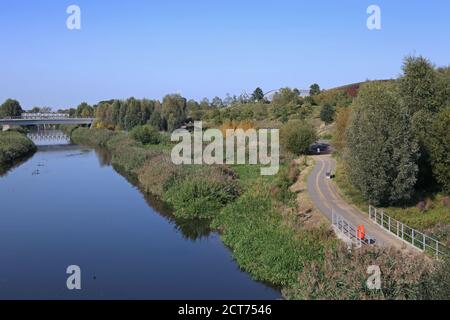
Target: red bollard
361 233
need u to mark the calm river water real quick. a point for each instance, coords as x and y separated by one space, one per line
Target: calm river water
67 206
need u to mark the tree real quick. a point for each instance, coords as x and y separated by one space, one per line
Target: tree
115 112
155 120
314 89
297 136
419 91
440 149
204 104
343 115
418 85
85 111
174 111
217 103
327 114
257 95
133 114
382 150
10 108
285 102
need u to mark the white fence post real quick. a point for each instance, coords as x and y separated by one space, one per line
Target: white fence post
398 228
403 231
415 235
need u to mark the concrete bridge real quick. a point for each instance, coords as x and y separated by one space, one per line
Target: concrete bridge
44 120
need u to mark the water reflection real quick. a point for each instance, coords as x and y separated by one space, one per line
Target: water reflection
128 245
189 228
104 157
49 137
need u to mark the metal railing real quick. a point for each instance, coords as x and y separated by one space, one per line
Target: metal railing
412 236
348 231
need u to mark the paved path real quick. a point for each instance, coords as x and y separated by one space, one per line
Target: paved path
326 198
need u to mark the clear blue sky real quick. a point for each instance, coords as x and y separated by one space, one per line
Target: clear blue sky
206 48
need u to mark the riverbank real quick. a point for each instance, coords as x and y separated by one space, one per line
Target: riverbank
14 146
258 218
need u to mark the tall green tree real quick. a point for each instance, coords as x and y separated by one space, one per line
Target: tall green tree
382 149
419 88
217 103
155 120
257 95
84 110
115 112
10 108
314 89
133 115
174 111
439 147
327 114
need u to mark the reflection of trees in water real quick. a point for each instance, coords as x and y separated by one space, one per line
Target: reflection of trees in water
104 156
190 229
5 168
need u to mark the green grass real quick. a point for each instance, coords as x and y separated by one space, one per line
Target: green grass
14 146
262 244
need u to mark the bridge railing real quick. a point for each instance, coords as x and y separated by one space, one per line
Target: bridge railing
348 231
410 235
38 116
30 116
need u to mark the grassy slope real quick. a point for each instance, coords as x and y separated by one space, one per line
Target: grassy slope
14 146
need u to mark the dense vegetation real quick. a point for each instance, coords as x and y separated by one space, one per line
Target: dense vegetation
393 145
10 108
14 146
251 212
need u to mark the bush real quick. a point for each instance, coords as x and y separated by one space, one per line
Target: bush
146 134
158 174
343 275
297 136
327 114
13 146
202 192
92 137
284 180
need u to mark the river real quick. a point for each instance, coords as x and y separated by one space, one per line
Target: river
67 206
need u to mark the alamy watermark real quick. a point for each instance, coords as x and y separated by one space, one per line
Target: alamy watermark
74 280
374 19
73 22
238 145
374 280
